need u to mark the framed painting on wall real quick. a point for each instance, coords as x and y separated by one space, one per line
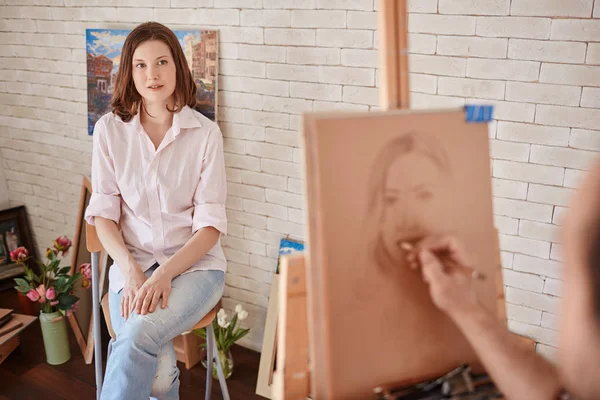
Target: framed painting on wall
103 54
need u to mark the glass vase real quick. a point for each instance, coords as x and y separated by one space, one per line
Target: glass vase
226 362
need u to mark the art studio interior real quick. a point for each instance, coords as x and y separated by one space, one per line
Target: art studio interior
307 199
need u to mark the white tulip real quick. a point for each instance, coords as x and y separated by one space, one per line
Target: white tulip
222 322
238 308
242 315
222 314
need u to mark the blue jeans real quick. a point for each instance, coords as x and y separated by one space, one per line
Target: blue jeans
142 360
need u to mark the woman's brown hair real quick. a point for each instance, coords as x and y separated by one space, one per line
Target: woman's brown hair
126 100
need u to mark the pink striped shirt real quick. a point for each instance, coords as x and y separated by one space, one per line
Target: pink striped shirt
159 197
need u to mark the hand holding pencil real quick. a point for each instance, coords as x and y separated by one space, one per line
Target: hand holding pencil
446 268
448 262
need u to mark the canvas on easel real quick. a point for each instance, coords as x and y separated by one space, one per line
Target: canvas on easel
374 181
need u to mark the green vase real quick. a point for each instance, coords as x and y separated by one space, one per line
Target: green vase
56 338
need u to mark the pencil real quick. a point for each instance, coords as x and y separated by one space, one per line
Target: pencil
473 272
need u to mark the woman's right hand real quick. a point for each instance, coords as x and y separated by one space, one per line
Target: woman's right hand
446 268
134 280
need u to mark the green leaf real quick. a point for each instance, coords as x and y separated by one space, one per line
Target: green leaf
63 270
67 300
54 264
232 325
200 332
22 282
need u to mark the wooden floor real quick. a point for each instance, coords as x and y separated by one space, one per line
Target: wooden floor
25 374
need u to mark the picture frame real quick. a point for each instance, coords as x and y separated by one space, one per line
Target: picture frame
15 231
268 353
81 320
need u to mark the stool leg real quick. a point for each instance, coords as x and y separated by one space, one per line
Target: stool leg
96 324
222 381
209 361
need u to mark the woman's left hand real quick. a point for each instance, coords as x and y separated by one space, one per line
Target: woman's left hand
146 299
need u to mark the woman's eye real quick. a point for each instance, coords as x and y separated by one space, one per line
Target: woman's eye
140 65
162 62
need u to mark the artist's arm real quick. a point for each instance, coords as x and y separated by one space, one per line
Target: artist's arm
517 371
209 221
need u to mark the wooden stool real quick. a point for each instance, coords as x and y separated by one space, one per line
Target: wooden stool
94 246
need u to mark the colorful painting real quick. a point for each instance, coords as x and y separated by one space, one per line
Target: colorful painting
103 51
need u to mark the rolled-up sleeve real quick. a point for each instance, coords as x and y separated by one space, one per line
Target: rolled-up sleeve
211 192
105 201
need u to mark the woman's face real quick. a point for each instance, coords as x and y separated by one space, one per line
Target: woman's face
413 201
153 70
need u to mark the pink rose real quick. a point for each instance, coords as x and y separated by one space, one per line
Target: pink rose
86 270
63 244
33 295
51 294
19 254
42 292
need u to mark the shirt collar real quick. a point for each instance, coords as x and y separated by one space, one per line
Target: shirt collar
184 119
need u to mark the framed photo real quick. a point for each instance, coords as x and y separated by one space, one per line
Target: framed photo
81 320
103 55
269 346
15 232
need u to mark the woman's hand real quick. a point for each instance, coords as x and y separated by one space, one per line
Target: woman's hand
156 287
446 267
135 280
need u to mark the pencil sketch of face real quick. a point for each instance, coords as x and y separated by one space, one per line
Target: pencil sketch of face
410 193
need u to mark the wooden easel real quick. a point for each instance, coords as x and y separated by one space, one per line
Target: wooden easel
292 378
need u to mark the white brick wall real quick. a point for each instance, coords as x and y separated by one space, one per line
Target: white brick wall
538 61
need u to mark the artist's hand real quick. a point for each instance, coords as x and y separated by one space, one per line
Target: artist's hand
445 266
133 282
156 287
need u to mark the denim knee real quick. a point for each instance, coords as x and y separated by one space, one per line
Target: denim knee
141 333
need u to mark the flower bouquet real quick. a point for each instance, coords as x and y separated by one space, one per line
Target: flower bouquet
53 290
226 334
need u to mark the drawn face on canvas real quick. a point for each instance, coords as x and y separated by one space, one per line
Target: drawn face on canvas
413 201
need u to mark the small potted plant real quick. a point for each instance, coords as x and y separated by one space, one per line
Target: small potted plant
226 334
53 290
